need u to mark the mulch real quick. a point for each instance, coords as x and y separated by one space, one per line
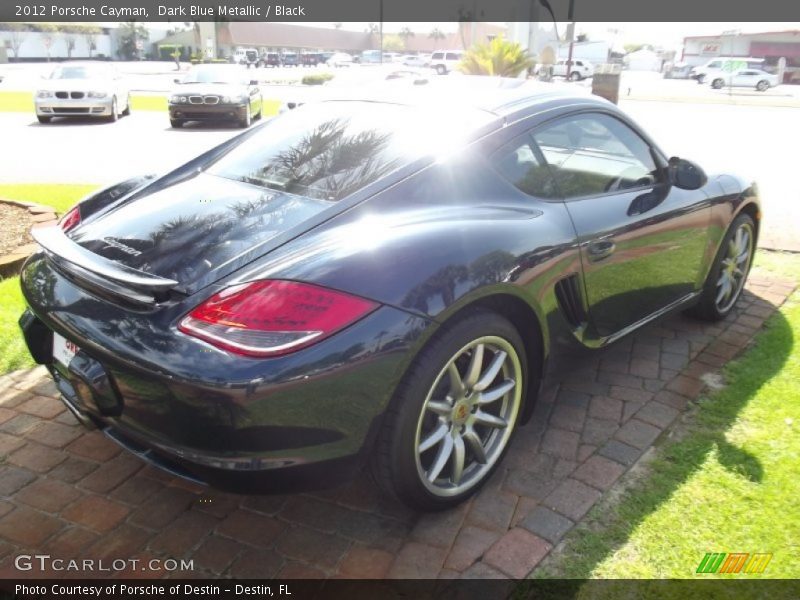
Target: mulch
15 227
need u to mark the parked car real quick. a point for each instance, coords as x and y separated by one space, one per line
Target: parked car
387 280
271 59
444 61
82 89
290 59
752 78
723 64
340 59
580 69
215 93
417 60
248 57
311 59
678 71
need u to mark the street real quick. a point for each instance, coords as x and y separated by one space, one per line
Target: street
757 142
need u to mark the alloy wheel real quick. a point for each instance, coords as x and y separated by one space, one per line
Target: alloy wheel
734 267
468 416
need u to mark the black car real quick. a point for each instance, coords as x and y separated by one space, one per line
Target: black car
386 282
271 59
215 93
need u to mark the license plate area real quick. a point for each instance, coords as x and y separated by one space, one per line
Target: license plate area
63 350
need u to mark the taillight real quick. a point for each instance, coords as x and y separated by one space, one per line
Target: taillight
71 219
273 317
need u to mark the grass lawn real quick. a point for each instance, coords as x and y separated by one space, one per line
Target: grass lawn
61 196
13 353
726 483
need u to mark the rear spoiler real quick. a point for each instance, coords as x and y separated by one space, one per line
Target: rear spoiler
62 248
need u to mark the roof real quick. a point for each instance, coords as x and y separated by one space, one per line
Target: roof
497 95
742 34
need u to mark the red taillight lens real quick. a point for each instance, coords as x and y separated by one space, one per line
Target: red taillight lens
71 219
269 318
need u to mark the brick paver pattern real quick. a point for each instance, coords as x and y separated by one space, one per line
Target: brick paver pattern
71 493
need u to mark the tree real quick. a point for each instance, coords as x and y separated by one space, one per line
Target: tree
405 33
49 32
18 32
90 33
436 34
70 32
498 57
372 28
337 25
393 43
632 47
130 33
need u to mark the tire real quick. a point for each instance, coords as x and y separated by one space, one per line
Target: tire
175 123
763 85
441 69
714 305
455 425
44 120
247 120
114 116
701 79
717 84
127 111
574 76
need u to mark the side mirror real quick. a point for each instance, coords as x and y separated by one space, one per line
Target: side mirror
685 174
176 80
254 82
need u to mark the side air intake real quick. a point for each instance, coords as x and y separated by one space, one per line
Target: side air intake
569 299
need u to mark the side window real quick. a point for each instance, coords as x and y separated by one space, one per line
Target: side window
452 56
592 154
521 165
437 56
715 64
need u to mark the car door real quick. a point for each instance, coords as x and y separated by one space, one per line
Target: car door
642 241
744 79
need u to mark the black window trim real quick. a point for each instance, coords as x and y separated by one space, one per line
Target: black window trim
658 157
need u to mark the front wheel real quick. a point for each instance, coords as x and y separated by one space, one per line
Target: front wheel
701 79
762 86
175 123
574 76
441 70
247 119
454 413
127 111
44 120
114 116
717 84
729 272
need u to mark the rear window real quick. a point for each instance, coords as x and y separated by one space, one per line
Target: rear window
437 55
330 150
453 56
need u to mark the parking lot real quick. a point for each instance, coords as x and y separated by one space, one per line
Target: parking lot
741 131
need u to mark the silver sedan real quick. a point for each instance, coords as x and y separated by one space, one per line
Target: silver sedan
85 89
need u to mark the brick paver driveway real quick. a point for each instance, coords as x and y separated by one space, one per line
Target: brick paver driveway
74 494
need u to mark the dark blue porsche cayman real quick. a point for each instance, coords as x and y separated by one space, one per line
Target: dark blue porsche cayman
375 281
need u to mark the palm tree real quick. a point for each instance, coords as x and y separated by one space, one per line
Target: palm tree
372 28
406 33
498 57
436 34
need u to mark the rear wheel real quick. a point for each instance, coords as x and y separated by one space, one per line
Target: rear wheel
574 76
441 70
762 86
717 83
729 272
454 413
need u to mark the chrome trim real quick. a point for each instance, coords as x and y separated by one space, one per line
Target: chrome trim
55 241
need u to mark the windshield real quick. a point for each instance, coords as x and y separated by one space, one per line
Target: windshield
330 150
232 75
82 72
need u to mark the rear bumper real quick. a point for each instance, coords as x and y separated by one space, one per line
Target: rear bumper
301 421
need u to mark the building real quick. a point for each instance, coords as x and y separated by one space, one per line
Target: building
769 45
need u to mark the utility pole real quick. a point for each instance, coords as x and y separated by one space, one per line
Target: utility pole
380 17
571 29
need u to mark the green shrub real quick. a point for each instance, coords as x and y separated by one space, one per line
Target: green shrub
316 78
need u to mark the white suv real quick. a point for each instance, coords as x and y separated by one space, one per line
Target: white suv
581 69
444 61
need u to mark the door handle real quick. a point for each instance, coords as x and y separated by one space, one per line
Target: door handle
600 250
